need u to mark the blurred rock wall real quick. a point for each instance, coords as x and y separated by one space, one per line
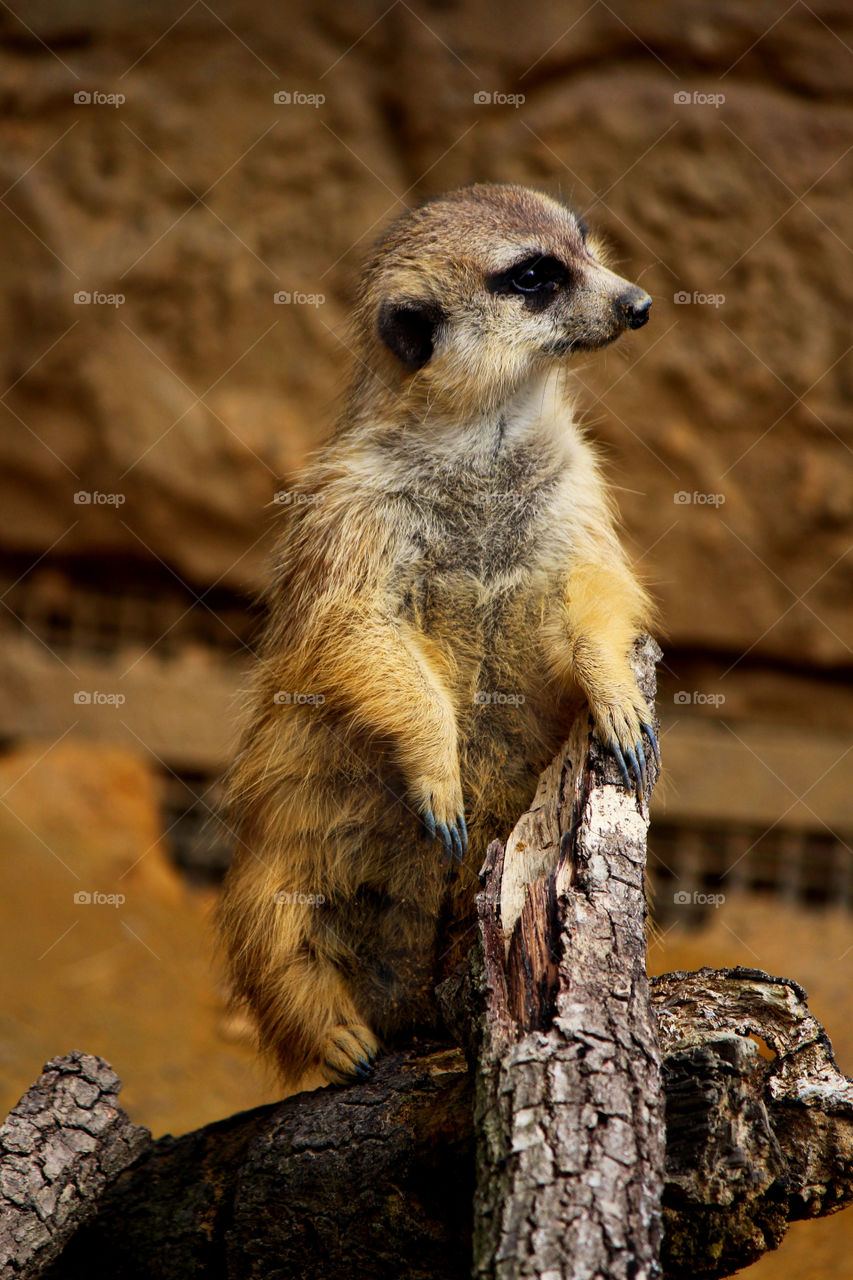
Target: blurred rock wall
147 164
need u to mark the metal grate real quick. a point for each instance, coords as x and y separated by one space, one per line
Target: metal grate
199 841
811 868
86 609
688 864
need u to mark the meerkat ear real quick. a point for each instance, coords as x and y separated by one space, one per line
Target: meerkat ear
408 329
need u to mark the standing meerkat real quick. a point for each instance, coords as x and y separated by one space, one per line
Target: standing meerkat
448 589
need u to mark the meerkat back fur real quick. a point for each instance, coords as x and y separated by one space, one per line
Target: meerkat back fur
448 590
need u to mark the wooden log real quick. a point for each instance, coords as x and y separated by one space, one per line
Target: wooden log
59 1148
377 1180
373 1181
569 1101
759 1118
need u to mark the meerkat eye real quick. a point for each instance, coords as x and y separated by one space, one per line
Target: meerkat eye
530 277
534 278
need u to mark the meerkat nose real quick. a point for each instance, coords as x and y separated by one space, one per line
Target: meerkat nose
634 306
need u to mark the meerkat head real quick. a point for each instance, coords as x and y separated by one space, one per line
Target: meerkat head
469 295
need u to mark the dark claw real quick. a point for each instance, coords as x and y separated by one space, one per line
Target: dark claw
641 756
369 1054
653 742
364 1069
454 838
632 760
620 760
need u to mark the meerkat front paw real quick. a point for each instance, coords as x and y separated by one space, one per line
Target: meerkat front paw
441 810
348 1050
620 727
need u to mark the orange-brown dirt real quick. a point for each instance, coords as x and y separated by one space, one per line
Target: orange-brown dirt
133 982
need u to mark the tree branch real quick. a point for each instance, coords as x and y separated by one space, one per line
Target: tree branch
59 1148
759 1118
569 1102
550 1123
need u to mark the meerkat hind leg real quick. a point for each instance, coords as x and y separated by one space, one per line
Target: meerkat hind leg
348 1050
346 1046
308 1015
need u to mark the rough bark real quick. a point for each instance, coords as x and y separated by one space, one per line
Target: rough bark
59 1148
569 1102
759 1118
556 1116
373 1181
377 1180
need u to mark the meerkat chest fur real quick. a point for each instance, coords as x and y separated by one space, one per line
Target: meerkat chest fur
488 513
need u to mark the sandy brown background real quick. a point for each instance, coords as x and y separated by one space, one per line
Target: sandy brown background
711 143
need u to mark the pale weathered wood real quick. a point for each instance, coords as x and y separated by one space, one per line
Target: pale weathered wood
569 1102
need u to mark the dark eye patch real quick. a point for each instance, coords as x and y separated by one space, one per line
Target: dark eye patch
535 278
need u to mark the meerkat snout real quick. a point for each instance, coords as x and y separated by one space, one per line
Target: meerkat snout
635 306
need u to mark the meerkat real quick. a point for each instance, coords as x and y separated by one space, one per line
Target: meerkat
447 590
